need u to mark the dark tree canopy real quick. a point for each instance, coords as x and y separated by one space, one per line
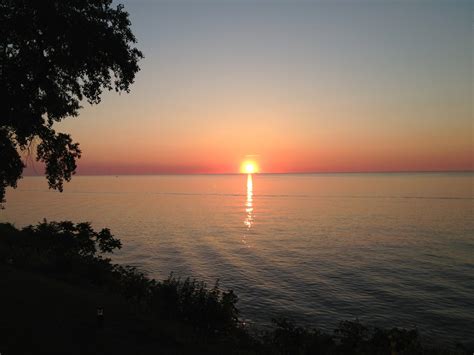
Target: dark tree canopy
53 55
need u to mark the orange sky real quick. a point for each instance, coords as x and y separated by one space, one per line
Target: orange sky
301 86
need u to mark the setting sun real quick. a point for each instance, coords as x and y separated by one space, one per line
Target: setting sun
315 156
249 167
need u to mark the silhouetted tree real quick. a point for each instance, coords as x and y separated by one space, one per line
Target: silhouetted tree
53 55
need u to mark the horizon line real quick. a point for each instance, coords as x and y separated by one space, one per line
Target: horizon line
277 173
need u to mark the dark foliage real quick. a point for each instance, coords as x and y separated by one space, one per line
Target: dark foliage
11 165
65 249
350 337
76 253
207 310
53 55
287 338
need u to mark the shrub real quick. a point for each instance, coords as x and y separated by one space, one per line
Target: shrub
76 252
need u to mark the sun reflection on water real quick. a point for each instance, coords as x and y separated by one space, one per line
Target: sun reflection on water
249 218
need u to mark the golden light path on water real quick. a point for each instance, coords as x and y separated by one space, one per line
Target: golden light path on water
249 219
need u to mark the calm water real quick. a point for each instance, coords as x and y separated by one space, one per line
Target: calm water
390 249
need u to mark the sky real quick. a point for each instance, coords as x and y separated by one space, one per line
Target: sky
297 86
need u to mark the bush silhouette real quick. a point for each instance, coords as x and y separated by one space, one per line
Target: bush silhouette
77 253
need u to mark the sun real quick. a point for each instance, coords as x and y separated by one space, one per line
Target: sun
249 167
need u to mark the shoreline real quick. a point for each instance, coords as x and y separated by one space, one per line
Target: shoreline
55 277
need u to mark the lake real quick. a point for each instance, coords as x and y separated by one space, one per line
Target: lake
389 249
